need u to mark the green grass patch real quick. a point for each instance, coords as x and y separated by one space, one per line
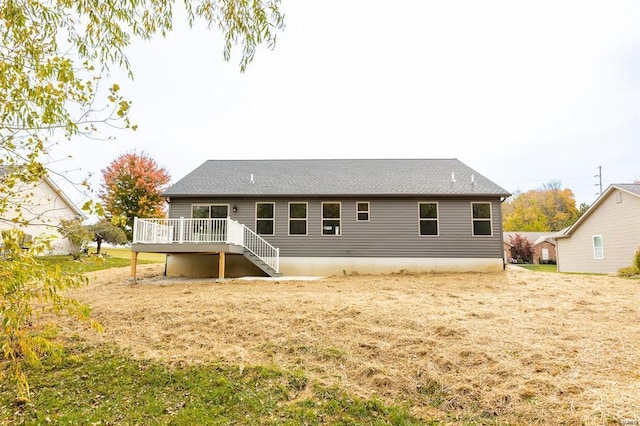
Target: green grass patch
540 268
98 263
125 253
105 386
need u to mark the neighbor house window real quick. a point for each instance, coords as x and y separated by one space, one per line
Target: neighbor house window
598 247
297 218
330 218
481 213
265 218
545 253
428 218
362 211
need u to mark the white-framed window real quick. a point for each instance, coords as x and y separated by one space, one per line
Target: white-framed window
265 218
210 211
204 230
331 218
481 218
545 253
428 218
598 247
362 211
297 218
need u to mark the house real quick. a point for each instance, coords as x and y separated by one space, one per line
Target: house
326 217
543 243
606 236
42 205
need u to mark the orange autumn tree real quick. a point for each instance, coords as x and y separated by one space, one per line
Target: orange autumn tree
131 187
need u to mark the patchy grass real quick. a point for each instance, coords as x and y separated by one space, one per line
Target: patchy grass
125 253
106 386
539 268
491 348
115 258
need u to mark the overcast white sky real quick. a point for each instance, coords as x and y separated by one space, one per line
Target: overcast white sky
523 92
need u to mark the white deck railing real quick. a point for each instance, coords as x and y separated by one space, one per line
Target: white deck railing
203 231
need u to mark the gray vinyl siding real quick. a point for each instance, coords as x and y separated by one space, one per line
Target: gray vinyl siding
392 229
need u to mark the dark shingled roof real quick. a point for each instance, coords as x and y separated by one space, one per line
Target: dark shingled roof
334 177
631 187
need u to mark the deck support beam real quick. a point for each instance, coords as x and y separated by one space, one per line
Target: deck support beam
221 264
134 266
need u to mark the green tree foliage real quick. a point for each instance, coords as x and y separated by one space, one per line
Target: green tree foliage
547 209
30 291
131 187
77 234
106 231
53 58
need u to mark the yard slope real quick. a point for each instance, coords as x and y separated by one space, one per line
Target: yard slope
517 346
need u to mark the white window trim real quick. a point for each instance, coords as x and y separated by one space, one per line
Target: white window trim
593 242
322 219
273 219
437 219
544 253
358 211
289 219
228 206
482 219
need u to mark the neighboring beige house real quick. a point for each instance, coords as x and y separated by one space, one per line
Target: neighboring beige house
606 237
544 245
42 206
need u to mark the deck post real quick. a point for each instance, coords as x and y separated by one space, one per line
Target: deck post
221 261
134 266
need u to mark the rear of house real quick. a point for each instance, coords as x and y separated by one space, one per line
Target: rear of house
330 217
606 237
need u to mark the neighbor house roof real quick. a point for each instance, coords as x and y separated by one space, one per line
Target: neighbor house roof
630 188
443 177
535 237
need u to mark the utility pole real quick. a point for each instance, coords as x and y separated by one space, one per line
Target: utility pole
599 176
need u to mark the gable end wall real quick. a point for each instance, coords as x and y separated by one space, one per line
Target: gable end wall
619 225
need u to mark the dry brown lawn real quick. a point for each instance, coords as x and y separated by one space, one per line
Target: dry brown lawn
520 346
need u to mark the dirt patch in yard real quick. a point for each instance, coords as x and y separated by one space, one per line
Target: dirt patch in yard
518 346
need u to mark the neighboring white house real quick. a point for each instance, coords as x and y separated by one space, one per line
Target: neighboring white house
606 237
42 205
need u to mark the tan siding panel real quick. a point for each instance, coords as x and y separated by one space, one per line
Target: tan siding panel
619 225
